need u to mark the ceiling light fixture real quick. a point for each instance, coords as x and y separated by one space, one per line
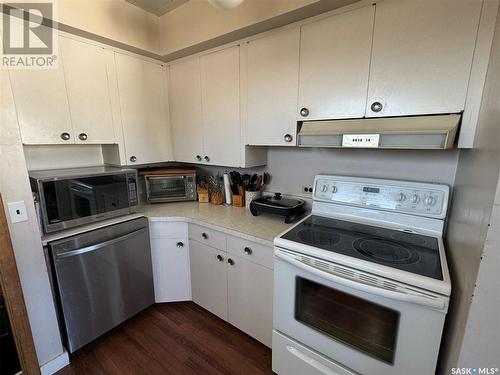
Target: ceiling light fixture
225 4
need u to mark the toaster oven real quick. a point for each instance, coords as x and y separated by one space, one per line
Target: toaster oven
170 185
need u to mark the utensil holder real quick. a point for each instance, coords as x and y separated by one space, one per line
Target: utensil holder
250 196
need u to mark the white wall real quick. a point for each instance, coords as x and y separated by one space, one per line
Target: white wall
475 186
62 156
482 333
14 186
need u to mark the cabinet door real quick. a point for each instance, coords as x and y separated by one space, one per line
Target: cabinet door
209 278
220 88
42 105
422 56
272 88
184 88
334 65
250 298
172 279
142 104
88 91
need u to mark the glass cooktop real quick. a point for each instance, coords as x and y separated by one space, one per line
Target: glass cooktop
405 251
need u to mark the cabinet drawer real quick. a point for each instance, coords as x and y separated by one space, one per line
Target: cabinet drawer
166 229
207 236
249 250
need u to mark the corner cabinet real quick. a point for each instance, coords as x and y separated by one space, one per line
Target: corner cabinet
143 107
272 88
204 99
422 56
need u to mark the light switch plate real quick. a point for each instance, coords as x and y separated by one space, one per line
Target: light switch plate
17 212
360 140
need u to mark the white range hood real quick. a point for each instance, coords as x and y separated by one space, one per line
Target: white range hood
419 132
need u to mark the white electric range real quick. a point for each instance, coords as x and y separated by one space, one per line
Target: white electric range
361 286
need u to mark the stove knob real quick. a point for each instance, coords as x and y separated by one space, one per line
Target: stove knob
401 197
324 188
415 198
429 201
334 189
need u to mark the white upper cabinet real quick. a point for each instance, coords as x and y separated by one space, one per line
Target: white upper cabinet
334 65
184 88
272 88
42 105
141 88
220 97
422 56
85 71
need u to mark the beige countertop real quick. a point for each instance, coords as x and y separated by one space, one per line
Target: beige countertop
227 218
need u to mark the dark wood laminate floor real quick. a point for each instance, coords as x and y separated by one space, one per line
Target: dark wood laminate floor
173 338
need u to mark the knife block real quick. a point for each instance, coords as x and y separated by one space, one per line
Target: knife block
238 200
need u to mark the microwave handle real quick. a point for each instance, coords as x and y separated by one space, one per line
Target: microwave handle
400 296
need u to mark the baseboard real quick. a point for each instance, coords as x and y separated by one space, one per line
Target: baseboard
55 364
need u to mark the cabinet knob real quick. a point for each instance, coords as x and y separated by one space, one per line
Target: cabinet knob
198 157
133 159
204 236
65 136
207 159
230 261
180 244
247 251
82 137
220 258
376 107
304 112
288 138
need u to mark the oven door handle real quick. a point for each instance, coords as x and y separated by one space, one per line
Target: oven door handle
419 299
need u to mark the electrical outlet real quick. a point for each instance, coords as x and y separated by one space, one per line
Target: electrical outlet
17 212
306 189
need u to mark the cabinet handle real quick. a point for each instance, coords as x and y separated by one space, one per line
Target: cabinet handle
220 258
133 159
207 159
65 136
198 157
204 236
82 137
230 261
376 107
248 251
288 138
180 244
304 112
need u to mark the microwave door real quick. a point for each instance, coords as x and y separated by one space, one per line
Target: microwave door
83 199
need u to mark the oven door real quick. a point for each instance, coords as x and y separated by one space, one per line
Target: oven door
166 188
355 319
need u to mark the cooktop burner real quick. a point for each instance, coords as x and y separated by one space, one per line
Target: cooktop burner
405 251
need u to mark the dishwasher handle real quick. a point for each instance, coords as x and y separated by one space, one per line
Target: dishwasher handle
99 245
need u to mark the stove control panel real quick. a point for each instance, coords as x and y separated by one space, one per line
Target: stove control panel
400 196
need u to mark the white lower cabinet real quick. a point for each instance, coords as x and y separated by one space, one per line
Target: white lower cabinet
208 278
250 298
171 274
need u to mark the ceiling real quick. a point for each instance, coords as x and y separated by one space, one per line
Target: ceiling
158 7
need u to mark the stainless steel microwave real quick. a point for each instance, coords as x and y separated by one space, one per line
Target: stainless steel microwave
170 184
67 198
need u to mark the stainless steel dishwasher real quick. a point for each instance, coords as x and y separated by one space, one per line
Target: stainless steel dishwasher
103 277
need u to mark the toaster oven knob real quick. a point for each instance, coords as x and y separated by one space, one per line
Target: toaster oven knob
133 159
65 136
180 244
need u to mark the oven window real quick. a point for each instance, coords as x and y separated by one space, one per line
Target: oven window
167 187
359 323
